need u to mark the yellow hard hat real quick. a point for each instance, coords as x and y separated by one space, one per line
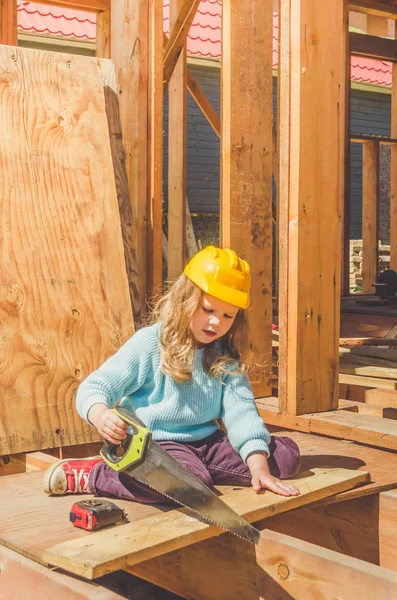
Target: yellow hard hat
222 274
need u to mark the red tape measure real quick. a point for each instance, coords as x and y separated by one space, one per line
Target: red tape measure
95 514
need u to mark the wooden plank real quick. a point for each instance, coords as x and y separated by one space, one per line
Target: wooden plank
368 382
129 34
383 140
117 145
372 410
86 5
246 157
384 353
20 576
177 135
370 207
350 527
178 36
393 169
388 529
345 265
203 103
373 47
102 37
52 337
374 367
381 397
154 255
347 425
374 7
107 551
310 197
8 23
279 567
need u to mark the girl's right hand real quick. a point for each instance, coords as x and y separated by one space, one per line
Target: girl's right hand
109 425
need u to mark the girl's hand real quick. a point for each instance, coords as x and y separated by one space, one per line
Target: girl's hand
261 478
109 425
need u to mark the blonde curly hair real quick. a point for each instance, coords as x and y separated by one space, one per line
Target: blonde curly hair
174 311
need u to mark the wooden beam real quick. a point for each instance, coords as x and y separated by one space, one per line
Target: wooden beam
380 139
86 5
345 265
177 157
279 567
102 38
343 424
178 36
8 23
129 34
374 7
370 212
154 252
350 527
393 170
203 103
20 576
388 529
373 47
310 198
246 155
201 99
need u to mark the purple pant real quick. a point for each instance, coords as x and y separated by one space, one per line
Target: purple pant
213 460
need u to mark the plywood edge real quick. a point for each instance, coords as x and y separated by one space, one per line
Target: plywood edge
103 552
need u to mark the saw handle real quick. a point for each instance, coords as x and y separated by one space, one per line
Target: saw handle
134 445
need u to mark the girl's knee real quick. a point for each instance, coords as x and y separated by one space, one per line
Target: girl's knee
287 457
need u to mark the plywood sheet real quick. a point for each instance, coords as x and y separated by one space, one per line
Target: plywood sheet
64 301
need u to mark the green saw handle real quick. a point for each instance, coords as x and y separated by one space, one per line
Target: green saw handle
137 443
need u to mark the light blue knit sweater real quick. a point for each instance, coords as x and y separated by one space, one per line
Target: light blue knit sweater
181 412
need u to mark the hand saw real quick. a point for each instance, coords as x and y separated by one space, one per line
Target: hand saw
150 464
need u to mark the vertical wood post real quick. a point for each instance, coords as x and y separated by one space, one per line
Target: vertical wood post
246 150
102 38
370 211
129 41
345 275
311 134
177 158
393 170
8 23
155 150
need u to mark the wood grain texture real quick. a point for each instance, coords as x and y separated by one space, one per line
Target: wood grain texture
280 567
64 303
19 576
8 22
102 37
311 135
342 424
177 134
117 145
370 214
110 550
246 167
129 52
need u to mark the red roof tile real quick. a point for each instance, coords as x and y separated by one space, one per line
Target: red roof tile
204 37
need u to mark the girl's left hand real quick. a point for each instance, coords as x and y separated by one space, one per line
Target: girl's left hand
263 479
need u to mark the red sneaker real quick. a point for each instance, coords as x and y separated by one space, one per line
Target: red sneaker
69 476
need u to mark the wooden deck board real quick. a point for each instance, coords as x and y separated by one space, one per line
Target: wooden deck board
33 522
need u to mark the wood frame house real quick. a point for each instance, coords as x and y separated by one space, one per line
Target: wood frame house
335 540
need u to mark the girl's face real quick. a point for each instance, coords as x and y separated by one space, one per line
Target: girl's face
212 319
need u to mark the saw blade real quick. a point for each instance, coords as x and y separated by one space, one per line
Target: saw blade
163 473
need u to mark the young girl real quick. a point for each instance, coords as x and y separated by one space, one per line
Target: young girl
179 376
